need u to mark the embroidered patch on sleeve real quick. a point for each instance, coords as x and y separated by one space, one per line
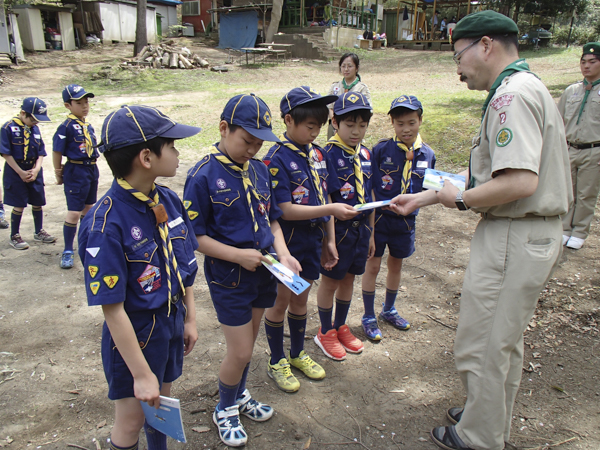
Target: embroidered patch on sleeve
275 183
273 170
111 280
502 116
503 100
192 214
187 204
93 270
94 286
504 137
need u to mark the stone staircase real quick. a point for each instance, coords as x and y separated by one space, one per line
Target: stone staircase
308 43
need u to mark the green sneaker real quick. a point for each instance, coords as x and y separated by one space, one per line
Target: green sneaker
310 368
283 376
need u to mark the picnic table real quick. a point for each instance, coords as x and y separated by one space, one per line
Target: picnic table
276 46
263 51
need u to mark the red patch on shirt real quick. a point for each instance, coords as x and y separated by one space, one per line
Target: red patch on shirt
503 100
267 162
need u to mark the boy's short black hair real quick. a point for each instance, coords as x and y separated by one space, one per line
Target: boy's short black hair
302 113
233 128
30 116
70 102
396 113
120 160
364 114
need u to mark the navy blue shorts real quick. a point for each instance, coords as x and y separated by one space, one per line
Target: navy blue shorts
20 194
398 233
81 185
235 290
304 241
352 242
161 340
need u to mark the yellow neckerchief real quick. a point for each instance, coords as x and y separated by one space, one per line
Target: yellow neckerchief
89 145
358 174
311 164
408 162
163 229
244 172
26 134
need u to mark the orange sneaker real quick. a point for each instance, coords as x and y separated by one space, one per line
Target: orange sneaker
330 345
348 341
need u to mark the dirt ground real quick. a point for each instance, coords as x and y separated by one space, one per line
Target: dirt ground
52 387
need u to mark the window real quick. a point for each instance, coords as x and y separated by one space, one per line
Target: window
190 8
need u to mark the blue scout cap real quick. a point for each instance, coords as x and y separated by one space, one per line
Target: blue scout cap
75 92
350 101
406 101
252 114
302 95
37 108
132 125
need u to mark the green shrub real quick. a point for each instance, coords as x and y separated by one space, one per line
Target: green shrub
579 36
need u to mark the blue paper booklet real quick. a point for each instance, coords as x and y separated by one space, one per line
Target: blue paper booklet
167 418
434 179
288 278
372 205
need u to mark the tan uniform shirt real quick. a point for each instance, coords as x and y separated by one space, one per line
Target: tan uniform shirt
522 129
588 129
337 88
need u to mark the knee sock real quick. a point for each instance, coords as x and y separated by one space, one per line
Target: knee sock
341 312
274 332
242 385
38 218
69 232
15 222
325 314
227 395
369 302
113 446
297 326
156 440
390 299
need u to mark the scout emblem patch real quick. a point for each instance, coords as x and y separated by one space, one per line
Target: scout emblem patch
387 182
274 171
93 270
187 204
150 279
301 195
503 100
111 280
94 286
347 191
504 137
192 214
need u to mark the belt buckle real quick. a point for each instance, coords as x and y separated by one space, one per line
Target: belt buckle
356 223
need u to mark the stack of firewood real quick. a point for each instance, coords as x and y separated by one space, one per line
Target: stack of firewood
168 56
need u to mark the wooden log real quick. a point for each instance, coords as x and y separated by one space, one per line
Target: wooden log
173 61
184 60
165 59
181 65
141 53
156 63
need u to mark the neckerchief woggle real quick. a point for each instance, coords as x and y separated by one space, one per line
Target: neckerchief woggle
517 66
153 202
311 164
358 174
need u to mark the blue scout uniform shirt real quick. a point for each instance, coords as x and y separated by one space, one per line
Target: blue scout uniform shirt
70 141
121 250
215 199
388 164
12 143
292 181
341 185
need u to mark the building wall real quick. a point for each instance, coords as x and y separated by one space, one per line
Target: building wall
30 26
205 5
119 22
341 37
169 16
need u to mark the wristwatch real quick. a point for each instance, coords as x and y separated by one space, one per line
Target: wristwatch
460 203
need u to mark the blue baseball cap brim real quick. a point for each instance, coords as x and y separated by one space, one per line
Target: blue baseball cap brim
324 100
180 131
262 134
41 117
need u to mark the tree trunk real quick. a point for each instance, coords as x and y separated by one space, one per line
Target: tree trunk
141 38
275 18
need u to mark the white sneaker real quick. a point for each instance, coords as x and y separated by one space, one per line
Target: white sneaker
575 243
565 239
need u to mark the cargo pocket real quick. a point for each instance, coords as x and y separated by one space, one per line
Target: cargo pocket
224 273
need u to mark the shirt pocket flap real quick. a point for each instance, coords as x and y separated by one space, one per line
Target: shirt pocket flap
143 254
179 231
225 198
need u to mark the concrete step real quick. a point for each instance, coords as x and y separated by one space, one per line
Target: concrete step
308 46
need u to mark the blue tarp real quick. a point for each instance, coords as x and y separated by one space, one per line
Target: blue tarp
238 29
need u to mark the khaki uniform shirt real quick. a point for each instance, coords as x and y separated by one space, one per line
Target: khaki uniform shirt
588 129
522 129
337 88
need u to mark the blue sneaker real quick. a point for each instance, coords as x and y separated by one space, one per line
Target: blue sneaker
66 259
253 409
231 430
394 318
371 329
3 221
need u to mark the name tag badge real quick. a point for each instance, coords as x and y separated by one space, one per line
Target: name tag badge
422 164
174 223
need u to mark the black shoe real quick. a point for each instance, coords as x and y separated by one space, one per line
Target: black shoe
448 439
454 414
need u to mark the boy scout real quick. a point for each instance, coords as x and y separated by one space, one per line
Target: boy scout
22 147
138 252
519 182
299 173
75 139
228 197
580 108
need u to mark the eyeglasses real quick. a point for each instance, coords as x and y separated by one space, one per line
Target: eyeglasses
344 66
456 56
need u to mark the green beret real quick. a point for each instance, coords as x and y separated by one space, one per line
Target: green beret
484 23
592 48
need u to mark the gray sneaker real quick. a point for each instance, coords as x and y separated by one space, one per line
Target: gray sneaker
17 242
3 221
44 237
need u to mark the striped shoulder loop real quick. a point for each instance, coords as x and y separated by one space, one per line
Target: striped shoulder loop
103 207
194 170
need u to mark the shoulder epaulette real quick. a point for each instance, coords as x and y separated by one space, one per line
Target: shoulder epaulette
163 186
194 170
100 214
274 149
383 140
